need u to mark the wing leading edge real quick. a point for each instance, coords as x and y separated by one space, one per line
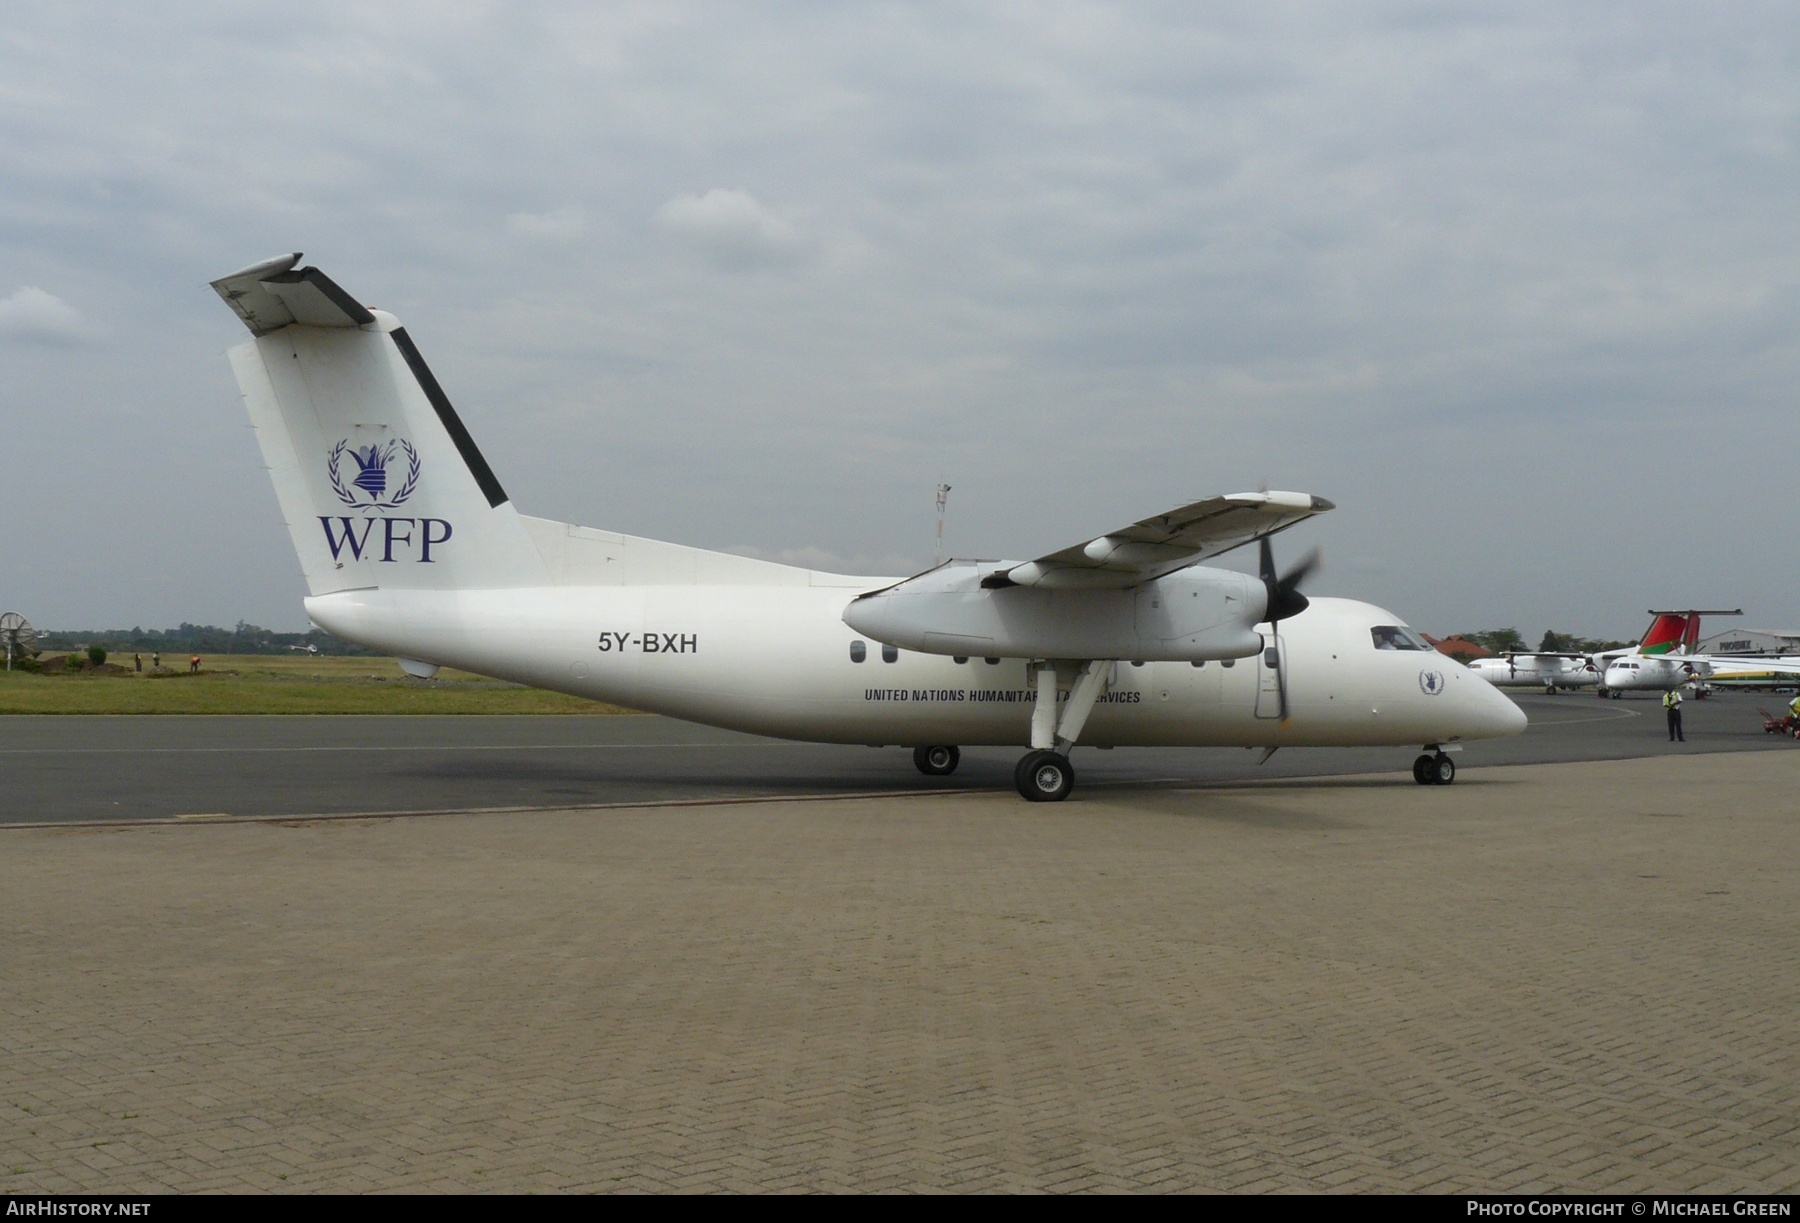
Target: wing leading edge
1152 547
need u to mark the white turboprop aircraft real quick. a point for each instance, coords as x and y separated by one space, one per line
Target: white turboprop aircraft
409 545
1546 669
1666 658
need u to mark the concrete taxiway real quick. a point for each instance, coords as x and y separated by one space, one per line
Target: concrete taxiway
1547 977
62 769
1550 977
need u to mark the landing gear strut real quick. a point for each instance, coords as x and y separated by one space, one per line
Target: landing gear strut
1044 774
1434 769
937 760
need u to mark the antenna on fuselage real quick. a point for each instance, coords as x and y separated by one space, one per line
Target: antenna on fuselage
943 499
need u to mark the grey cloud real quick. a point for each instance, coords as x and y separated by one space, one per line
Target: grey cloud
32 316
731 229
1474 272
557 226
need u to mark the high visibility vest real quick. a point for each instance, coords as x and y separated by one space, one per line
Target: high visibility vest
1671 699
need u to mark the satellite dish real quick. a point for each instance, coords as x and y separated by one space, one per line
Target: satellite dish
19 637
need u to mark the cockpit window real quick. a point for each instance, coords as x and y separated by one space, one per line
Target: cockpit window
1397 637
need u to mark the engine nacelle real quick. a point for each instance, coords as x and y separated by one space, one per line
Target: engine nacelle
1193 615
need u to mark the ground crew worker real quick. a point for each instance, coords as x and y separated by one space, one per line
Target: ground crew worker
1794 712
1672 703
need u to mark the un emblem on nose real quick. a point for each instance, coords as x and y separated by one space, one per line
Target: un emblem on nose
1431 682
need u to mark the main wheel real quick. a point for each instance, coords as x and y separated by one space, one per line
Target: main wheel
1044 777
1422 769
936 760
1443 770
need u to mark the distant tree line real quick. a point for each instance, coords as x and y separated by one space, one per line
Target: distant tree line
1500 640
246 638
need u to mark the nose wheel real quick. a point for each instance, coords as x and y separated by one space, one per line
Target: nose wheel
937 760
1044 777
1434 769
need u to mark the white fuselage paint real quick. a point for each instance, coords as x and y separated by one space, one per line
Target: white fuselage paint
1530 671
1666 672
1653 673
776 660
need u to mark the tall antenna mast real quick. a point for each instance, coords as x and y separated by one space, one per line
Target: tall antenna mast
943 497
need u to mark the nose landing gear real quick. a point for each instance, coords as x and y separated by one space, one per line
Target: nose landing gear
1434 768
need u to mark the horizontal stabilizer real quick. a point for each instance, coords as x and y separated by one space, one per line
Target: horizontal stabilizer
1156 546
273 294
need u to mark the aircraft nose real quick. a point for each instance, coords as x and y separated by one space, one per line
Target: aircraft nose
1495 712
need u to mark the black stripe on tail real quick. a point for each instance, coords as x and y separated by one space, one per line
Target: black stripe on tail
465 445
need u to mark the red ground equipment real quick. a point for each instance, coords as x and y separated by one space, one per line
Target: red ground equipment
1779 723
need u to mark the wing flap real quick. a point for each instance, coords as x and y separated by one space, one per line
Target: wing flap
1152 547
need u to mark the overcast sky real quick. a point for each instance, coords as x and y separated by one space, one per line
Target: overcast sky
1514 285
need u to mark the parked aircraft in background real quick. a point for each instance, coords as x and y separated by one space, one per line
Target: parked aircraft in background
1550 670
409 545
1666 659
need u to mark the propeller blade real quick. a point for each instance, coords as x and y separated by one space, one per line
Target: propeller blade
1285 599
1280 671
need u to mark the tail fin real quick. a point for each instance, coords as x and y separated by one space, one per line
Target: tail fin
380 483
1678 632
1666 632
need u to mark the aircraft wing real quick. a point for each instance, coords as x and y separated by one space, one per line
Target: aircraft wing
1156 546
1726 667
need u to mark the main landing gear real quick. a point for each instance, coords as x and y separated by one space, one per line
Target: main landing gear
1044 777
937 760
1434 769
1044 774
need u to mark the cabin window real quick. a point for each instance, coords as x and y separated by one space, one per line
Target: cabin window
1198 662
960 659
992 662
890 653
1137 662
1271 658
858 651
1397 637
1228 662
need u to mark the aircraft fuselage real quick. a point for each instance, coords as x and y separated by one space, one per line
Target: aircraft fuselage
779 660
1530 671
